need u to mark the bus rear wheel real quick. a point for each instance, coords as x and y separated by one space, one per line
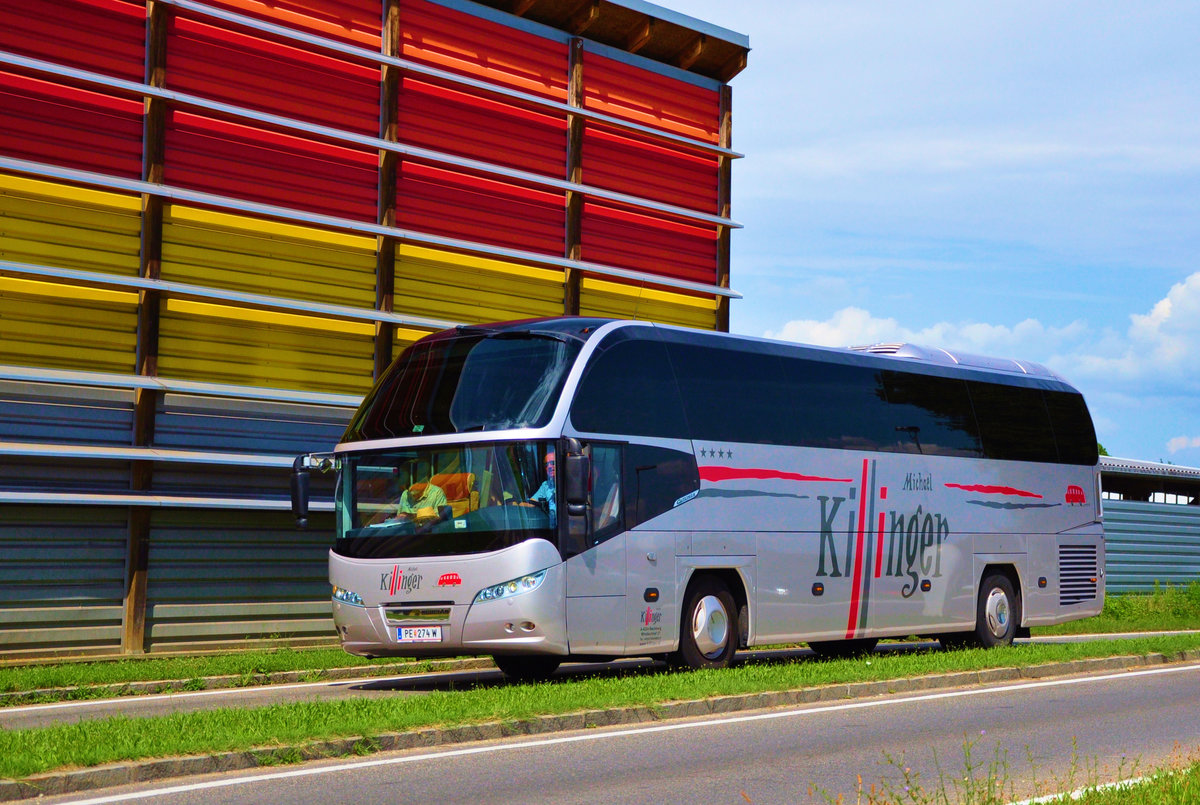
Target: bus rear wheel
998 613
708 630
526 668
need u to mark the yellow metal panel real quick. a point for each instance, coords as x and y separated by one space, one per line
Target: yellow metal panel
466 288
220 250
219 344
70 227
617 300
66 327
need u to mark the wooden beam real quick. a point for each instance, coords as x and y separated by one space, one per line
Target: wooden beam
389 166
732 67
574 173
582 17
521 7
724 202
640 35
690 52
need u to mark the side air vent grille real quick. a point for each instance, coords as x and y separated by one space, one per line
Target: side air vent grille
878 349
1078 574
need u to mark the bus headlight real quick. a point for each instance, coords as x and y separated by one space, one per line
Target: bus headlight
524 584
347 597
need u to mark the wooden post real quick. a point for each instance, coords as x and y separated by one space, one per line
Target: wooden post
145 401
385 245
574 237
724 203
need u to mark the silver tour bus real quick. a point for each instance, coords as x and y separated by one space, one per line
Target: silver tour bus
571 488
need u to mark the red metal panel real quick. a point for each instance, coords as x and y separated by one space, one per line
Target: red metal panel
260 165
641 166
253 71
61 125
106 36
473 208
651 98
355 21
476 126
469 45
619 236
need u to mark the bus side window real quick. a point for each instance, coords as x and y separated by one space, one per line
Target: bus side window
606 492
656 478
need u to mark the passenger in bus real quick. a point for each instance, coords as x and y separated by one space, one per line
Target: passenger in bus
423 500
544 496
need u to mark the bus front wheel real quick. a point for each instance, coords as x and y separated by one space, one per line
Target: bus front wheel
708 630
998 613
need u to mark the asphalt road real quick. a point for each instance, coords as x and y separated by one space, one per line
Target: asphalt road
1094 728
40 715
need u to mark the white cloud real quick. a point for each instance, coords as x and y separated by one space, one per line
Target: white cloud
1183 443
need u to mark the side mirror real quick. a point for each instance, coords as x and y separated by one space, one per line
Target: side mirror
300 481
578 472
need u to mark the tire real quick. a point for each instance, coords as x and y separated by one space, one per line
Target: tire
997 613
531 668
840 649
708 629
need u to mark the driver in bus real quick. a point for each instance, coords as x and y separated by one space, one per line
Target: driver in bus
544 496
423 500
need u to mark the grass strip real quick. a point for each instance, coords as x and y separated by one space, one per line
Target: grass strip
89 743
1169 608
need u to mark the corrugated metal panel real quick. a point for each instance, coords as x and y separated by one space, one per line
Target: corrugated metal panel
253 71
469 45
616 300
220 344
66 327
650 98
220 250
459 205
244 162
219 579
637 165
58 225
477 126
223 425
106 36
39 412
473 289
32 474
62 579
1150 542
620 236
354 21
76 128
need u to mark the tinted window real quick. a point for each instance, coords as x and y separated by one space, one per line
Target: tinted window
629 389
1073 429
931 415
1013 422
655 480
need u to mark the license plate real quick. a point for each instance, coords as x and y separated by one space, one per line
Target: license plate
419 634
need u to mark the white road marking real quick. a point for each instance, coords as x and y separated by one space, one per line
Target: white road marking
639 730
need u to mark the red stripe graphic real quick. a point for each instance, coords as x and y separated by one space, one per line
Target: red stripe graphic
733 474
395 577
852 623
984 489
879 549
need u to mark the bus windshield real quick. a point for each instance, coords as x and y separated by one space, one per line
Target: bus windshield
444 501
465 383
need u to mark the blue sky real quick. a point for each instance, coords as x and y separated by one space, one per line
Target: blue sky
1018 179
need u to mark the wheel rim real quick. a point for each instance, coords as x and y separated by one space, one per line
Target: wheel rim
996 611
710 626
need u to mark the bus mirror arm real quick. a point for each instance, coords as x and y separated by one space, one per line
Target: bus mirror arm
300 491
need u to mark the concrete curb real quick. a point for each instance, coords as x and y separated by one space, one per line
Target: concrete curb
119 689
55 783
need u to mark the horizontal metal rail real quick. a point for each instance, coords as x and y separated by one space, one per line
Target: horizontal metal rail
339 135
183 289
449 77
64 377
41 450
156 501
346 224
